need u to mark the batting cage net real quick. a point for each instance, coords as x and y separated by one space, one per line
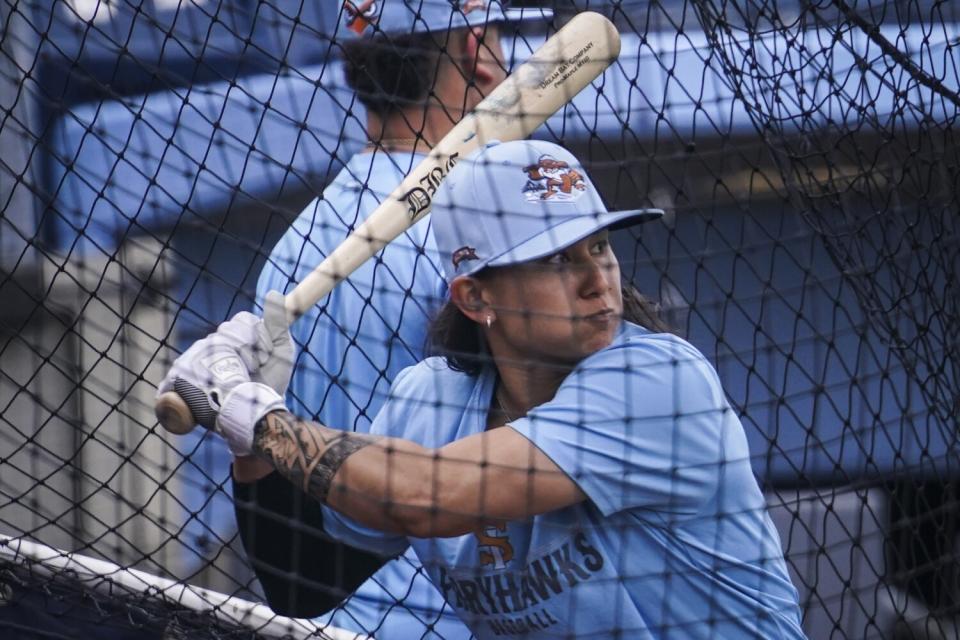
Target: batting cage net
166 163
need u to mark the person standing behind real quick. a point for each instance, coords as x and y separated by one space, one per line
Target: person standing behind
418 67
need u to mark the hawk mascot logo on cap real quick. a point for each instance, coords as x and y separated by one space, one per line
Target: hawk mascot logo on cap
464 253
362 15
554 180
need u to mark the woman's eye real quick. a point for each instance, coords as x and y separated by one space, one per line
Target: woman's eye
557 258
599 247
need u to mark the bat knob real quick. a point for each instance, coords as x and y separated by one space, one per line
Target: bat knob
174 414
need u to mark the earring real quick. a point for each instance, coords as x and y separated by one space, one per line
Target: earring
489 321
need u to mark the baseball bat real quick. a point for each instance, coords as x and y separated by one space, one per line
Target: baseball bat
563 66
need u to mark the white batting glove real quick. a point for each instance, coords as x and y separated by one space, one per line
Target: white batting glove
243 349
263 344
240 412
204 374
212 379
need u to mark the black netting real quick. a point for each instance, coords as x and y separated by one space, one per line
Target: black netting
48 593
154 152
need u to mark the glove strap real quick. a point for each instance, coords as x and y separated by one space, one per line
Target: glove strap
240 412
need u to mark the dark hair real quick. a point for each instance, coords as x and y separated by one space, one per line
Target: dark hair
389 73
460 340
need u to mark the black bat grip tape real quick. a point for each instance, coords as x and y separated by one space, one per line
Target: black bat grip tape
198 401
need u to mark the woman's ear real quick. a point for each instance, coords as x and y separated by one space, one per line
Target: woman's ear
468 296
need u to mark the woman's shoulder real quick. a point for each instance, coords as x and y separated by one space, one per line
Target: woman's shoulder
427 403
432 378
635 344
644 359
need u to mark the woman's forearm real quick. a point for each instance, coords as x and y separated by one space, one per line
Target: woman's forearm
307 453
398 486
388 485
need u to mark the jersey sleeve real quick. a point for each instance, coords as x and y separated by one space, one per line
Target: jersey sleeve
639 425
426 404
341 528
393 420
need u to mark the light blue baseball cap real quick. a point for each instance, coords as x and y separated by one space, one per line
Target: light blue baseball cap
513 202
364 18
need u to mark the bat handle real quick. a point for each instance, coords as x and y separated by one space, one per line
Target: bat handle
174 414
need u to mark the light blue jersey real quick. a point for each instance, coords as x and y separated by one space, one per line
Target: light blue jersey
351 347
673 541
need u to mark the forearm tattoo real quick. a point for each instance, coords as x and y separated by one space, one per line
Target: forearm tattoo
307 454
